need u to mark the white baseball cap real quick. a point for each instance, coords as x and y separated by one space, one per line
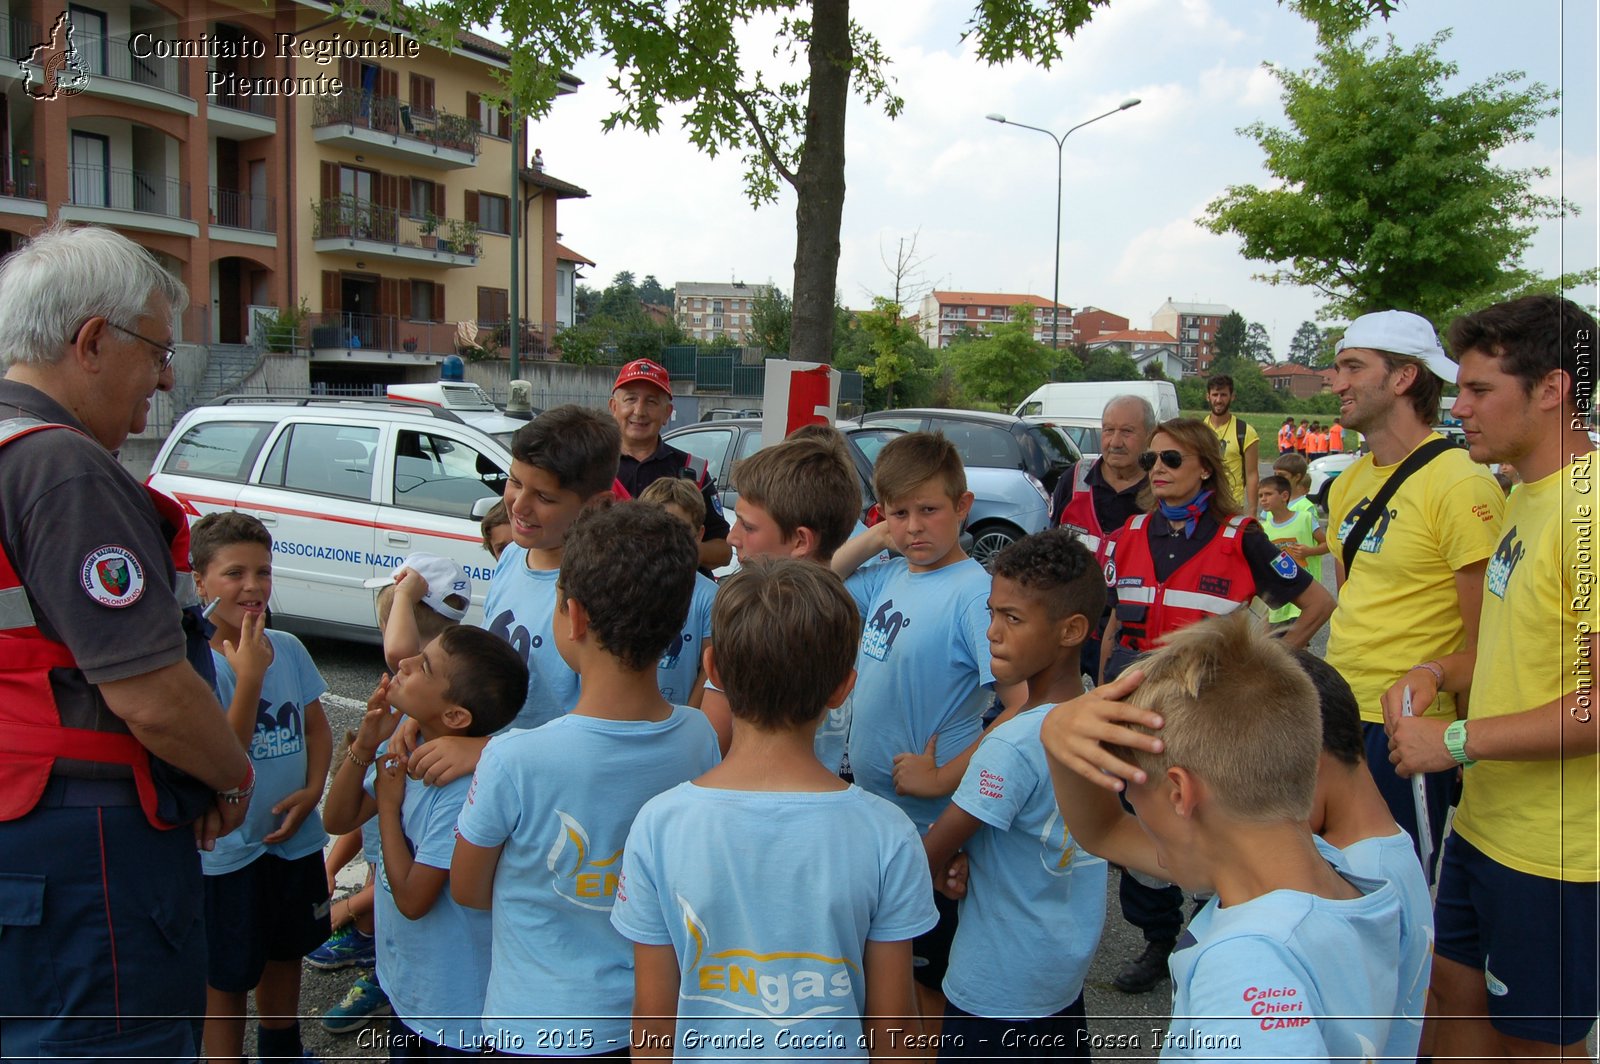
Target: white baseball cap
444 577
1400 332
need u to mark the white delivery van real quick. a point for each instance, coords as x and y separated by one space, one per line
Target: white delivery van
1087 399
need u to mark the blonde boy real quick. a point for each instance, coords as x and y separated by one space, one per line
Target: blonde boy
1290 960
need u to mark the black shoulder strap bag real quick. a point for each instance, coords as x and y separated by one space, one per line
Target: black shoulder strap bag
1369 517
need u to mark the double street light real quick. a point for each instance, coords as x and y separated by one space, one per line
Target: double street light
1055 310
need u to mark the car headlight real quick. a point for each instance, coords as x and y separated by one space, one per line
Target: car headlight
1038 486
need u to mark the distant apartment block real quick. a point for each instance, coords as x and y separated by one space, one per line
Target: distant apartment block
944 315
706 311
1091 322
1195 327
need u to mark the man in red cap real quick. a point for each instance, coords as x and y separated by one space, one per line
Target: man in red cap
641 403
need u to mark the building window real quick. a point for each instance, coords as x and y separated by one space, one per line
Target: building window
716 306
494 213
422 197
491 120
699 319
422 96
493 304
422 300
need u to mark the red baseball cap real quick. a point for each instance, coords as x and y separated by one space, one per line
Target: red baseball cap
642 369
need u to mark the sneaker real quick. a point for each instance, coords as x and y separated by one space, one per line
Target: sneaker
345 948
364 1003
1146 970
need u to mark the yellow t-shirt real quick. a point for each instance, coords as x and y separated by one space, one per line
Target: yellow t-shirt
1233 460
1398 605
1538 817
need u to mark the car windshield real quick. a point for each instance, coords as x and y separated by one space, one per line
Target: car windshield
1058 448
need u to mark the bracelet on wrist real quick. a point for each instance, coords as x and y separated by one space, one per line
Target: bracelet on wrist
244 790
356 759
1432 668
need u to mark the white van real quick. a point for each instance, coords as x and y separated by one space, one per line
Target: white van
1088 399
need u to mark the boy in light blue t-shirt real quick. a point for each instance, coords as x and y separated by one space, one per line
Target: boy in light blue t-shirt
1358 834
433 954
1034 896
679 673
266 895
541 835
923 676
1292 959
771 904
559 462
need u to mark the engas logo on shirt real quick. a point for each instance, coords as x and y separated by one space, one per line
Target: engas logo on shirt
580 878
784 987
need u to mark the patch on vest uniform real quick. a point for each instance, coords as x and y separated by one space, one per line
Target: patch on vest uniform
112 576
1285 566
1215 585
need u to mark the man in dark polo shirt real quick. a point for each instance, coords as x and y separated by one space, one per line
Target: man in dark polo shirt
102 949
641 403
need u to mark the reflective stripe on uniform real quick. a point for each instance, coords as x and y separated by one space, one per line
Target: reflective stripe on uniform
14 609
1196 600
1140 593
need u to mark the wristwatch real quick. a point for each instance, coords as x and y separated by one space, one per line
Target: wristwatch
1455 741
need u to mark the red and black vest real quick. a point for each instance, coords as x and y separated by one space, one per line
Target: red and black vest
1078 515
33 733
1215 581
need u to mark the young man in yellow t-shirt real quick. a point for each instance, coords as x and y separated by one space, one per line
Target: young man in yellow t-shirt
1517 941
1241 446
1413 592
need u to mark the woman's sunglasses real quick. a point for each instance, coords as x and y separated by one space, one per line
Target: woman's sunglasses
1170 459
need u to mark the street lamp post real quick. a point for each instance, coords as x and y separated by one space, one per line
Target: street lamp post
1055 297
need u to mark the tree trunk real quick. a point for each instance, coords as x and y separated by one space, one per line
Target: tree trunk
819 184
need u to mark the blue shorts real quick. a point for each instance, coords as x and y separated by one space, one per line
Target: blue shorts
269 910
1441 790
1535 939
930 951
1063 1036
102 952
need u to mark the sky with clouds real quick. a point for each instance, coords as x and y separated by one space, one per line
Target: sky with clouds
978 196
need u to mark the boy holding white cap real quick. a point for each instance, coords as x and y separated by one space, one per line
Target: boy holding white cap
422 579
1412 581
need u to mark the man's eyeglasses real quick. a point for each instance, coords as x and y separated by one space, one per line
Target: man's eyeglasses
1170 459
168 352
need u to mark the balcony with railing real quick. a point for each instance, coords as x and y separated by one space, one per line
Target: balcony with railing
230 113
22 187
18 38
137 199
363 121
389 336
115 71
360 227
232 209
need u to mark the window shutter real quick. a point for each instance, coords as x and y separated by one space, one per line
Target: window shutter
438 200
330 290
438 301
472 207
404 202
330 180
472 109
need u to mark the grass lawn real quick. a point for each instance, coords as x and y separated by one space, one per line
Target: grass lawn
1266 426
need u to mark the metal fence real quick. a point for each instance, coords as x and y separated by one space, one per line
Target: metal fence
129 190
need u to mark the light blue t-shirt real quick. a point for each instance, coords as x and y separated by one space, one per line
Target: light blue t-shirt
768 899
679 666
1035 898
923 670
560 800
435 968
1287 976
1393 858
278 751
520 607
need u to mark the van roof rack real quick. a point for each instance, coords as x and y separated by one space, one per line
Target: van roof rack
269 399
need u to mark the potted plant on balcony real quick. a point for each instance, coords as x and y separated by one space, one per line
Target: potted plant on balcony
409 345
430 230
463 239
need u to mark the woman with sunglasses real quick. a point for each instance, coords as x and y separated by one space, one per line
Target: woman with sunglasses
1195 554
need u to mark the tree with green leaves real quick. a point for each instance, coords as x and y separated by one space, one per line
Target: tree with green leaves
1005 364
771 317
894 343
790 131
650 291
1387 195
1229 341
1257 344
1303 347
1109 363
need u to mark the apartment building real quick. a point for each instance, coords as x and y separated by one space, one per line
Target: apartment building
705 311
274 157
1297 380
1091 322
1195 327
944 315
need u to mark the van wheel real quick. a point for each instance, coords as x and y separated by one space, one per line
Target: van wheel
990 539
